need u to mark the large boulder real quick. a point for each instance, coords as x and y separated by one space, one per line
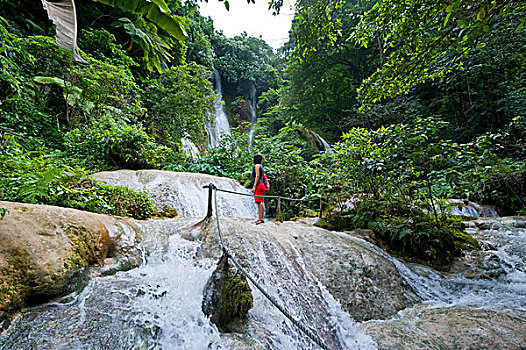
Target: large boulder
46 250
364 281
184 191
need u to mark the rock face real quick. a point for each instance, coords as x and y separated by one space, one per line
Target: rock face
366 284
46 250
451 328
184 191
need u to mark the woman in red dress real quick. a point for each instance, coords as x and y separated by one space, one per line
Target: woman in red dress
258 187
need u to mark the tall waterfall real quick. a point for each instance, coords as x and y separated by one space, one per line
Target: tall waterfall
253 117
220 124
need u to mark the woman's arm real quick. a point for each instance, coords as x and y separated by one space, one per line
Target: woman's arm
256 180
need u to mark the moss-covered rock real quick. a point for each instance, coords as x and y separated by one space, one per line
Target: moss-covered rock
227 298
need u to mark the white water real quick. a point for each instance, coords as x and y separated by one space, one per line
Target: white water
507 240
253 116
189 147
322 141
184 191
155 306
220 125
158 305
475 210
294 287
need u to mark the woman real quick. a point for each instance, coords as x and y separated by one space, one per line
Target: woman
258 187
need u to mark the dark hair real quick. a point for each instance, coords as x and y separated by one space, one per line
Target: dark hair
258 158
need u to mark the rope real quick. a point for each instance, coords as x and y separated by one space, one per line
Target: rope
284 311
280 197
267 196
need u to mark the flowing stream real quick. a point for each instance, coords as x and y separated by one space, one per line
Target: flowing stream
158 305
502 278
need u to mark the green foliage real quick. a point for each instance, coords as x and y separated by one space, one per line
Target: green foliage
105 85
400 176
245 58
101 44
34 177
81 192
110 143
155 48
156 11
428 40
178 102
3 212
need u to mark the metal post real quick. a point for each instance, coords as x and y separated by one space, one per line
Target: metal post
209 210
278 215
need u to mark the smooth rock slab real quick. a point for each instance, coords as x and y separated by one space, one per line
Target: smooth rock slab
366 284
184 191
456 327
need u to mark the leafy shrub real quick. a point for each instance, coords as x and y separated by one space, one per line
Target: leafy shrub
34 177
115 144
83 193
401 174
101 45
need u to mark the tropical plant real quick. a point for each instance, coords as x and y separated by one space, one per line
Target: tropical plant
108 143
178 102
63 14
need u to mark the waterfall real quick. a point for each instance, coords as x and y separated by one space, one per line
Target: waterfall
220 124
253 117
158 305
189 147
155 306
324 144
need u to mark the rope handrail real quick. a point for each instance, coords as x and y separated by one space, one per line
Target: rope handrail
316 339
280 197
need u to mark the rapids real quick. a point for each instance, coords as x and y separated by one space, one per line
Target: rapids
348 291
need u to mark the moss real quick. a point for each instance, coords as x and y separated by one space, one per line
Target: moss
464 240
236 296
228 297
168 212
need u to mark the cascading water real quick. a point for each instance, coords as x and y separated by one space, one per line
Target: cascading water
325 145
253 116
220 124
505 260
156 306
189 147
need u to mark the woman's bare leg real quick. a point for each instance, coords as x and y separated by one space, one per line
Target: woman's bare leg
261 211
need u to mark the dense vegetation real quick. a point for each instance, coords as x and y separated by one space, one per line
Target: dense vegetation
423 103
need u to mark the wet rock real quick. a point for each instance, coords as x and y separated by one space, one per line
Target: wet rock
46 251
451 328
227 296
184 191
358 275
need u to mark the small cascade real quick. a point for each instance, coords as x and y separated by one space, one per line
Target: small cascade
155 306
253 116
189 147
184 191
472 209
324 144
496 276
220 124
